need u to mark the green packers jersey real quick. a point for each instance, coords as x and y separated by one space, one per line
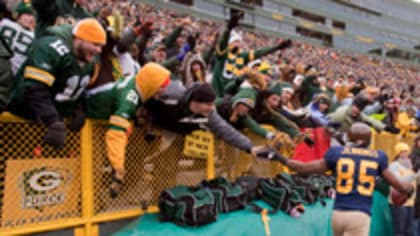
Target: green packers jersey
51 62
18 39
117 101
228 66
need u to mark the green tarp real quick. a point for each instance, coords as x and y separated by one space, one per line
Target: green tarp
315 221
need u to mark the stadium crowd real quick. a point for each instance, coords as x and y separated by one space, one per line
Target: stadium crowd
123 61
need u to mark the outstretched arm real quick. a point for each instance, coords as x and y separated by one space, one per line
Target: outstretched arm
252 55
318 166
222 44
209 53
171 39
45 9
256 128
403 187
225 131
140 35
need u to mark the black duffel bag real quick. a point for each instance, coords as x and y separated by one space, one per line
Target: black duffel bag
187 206
228 196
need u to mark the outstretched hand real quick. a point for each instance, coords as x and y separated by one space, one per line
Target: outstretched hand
269 154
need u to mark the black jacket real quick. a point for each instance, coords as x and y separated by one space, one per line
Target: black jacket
172 112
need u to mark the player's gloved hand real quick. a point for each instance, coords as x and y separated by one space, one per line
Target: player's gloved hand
310 142
270 154
392 130
56 134
234 20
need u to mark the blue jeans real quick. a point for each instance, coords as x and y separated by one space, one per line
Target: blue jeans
403 220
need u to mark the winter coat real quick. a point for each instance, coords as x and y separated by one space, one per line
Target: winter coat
224 108
342 116
317 115
263 115
172 112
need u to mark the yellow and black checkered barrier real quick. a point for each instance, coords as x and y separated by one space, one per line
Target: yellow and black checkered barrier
43 189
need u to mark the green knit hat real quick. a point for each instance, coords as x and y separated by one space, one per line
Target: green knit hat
246 96
279 87
159 45
25 7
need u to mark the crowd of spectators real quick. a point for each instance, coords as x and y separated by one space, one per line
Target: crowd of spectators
335 63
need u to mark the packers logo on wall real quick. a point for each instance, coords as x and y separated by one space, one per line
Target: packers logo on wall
45 186
40 190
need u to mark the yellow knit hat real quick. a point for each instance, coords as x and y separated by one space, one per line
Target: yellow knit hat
90 30
150 79
400 147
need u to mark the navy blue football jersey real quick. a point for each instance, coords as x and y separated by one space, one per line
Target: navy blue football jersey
355 170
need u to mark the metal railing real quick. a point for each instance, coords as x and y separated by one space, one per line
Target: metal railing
43 189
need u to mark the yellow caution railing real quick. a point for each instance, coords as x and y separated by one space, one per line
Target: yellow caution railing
43 189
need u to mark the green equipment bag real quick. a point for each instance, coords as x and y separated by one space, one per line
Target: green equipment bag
299 185
187 206
312 188
279 195
250 184
322 187
305 189
228 196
